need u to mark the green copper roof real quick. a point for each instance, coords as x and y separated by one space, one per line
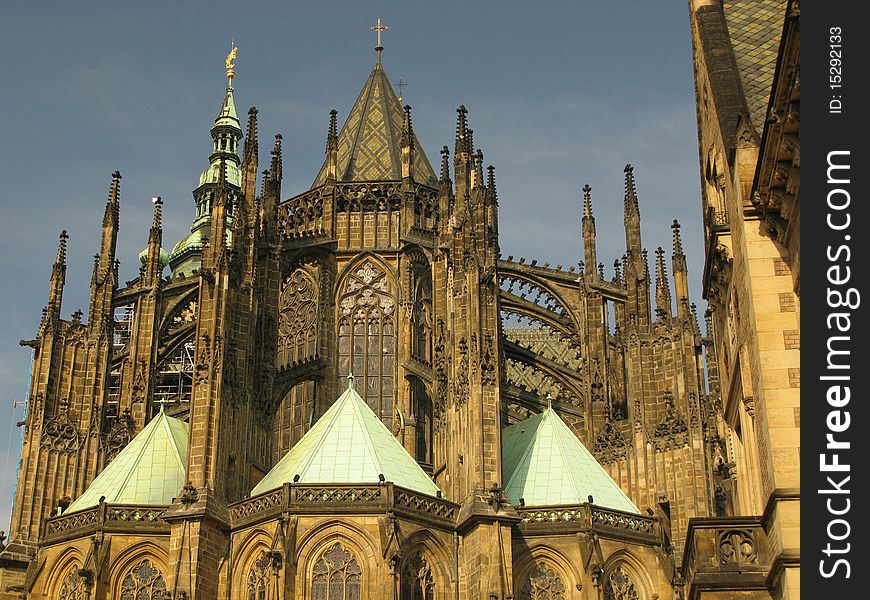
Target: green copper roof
227 114
369 145
544 463
349 444
151 469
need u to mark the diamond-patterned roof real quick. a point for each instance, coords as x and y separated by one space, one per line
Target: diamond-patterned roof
755 28
348 444
151 469
545 464
369 145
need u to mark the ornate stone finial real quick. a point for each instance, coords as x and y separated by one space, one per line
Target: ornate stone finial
332 134
277 163
617 273
587 202
445 163
678 242
350 385
380 27
490 180
229 62
162 402
158 212
663 290
407 127
461 128
549 401
61 249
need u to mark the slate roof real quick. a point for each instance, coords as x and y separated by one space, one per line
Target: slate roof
151 469
369 145
545 464
348 444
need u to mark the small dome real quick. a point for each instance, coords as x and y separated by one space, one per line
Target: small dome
163 259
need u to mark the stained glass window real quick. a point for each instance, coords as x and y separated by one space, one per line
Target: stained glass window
336 576
73 586
543 584
418 583
619 586
258 578
144 582
367 336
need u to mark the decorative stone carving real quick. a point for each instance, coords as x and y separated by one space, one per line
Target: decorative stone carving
737 546
543 583
610 445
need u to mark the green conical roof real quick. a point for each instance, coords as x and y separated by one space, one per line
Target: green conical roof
370 142
544 463
151 469
349 444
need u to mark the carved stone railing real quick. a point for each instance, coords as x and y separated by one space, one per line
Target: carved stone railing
725 553
341 499
105 517
605 522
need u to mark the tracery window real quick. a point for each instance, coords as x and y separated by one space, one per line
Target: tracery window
619 586
543 584
144 582
258 578
73 586
336 576
367 336
418 581
297 319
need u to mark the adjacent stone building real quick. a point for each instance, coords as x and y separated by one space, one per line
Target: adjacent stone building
321 399
747 80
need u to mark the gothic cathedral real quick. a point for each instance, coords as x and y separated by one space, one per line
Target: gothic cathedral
352 394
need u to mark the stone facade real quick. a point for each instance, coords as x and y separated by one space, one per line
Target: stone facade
747 75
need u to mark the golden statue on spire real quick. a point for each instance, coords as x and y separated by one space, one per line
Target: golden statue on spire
230 65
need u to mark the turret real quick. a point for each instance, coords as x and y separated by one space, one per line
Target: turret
155 258
226 133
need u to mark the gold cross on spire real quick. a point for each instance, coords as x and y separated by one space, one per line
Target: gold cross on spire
379 28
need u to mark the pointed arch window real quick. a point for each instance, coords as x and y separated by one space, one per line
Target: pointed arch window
418 582
336 576
297 319
619 585
258 578
421 404
421 319
367 336
73 586
543 583
144 582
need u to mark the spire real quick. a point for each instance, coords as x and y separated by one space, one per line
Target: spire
681 279
461 145
154 258
250 161
331 164
478 169
407 144
277 169
369 146
631 216
490 183
110 216
663 289
226 134
58 276
445 164
588 226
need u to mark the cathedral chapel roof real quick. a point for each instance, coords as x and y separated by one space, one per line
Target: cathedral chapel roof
151 469
370 142
545 464
348 444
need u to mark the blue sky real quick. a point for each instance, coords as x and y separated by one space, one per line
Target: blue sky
559 95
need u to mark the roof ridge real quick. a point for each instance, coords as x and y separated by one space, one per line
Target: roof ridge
172 440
